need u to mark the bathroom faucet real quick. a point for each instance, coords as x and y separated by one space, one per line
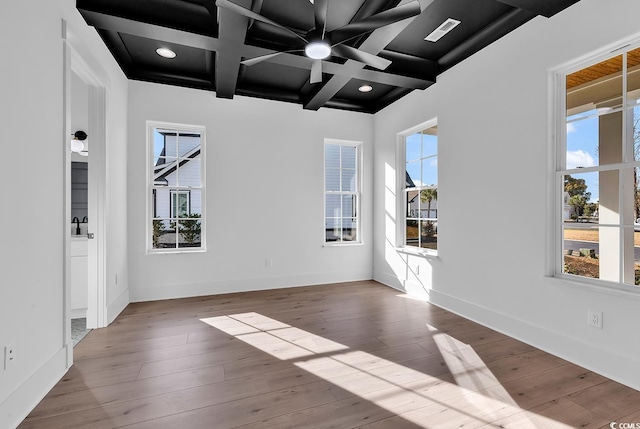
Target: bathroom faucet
77 221
85 220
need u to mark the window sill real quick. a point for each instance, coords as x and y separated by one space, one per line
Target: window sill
173 252
601 287
344 244
417 252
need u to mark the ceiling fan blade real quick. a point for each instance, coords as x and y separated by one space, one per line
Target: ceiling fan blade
261 58
320 15
350 53
374 22
252 15
316 71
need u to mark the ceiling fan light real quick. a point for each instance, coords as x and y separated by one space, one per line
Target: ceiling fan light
317 50
365 88
166 53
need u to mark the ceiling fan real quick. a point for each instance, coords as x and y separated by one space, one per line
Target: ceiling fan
318 43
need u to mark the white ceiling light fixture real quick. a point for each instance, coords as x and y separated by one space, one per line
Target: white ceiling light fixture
318 50
365 88
442 29
317 46
166 53
77 143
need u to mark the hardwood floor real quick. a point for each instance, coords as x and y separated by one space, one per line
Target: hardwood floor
351 355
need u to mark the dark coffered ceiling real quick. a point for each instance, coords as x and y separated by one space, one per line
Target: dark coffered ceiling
210 43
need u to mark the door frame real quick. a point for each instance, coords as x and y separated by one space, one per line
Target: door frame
97 304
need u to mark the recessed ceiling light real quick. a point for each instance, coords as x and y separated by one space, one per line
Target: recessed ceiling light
318 50
365 88
443 29
165 53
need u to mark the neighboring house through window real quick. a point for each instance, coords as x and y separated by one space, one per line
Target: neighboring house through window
419 151
342 191
597 169
180 204
176 187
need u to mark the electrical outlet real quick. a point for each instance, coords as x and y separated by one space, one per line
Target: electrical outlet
9 355
594 318
417 270
267 262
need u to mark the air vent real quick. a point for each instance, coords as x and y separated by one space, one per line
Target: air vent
443 29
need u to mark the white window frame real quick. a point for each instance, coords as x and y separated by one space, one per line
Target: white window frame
181 128
357 193
401 198
558 144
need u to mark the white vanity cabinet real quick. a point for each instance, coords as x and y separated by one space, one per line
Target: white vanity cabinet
79 276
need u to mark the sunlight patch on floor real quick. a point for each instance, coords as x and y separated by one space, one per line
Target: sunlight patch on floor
278 339
467 393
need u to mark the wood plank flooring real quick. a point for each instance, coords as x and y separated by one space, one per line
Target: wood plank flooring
350 355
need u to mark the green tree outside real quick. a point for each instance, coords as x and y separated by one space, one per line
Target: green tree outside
578 195
426 196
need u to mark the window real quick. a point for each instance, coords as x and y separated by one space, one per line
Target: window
598 170
420 190
179 204
176 180
342 192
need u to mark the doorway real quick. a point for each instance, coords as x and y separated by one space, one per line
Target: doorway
79 118
84 264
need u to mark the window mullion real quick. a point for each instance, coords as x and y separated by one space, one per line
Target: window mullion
581 90
176 199
345 226
418 147
628 157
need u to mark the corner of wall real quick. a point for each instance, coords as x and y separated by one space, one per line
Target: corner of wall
117 306
15 408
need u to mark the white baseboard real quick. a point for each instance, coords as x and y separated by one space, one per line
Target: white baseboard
389 280
117 305
413 289
24 399
184 290
607 363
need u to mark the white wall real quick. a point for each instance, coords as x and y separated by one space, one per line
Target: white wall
31 107
264 195
493 125
500 95
117 183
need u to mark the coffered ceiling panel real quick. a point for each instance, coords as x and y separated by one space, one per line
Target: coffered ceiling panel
257 47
